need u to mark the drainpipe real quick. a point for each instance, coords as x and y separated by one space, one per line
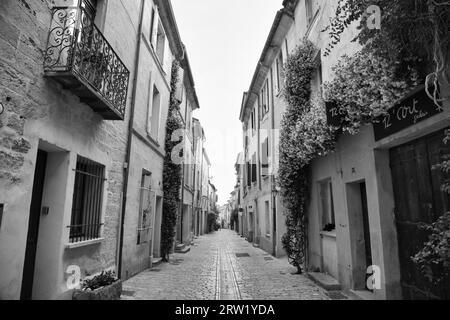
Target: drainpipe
181 204
272 177
129 141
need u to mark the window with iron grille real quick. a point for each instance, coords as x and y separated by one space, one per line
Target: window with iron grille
85 223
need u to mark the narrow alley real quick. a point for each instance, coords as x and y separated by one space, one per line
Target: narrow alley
222 266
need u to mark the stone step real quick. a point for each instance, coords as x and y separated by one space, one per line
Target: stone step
324 280
179 246
361 295
184 249
156 262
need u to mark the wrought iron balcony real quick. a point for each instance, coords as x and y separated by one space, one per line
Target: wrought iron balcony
79 57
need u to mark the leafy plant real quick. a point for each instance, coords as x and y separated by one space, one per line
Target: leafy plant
365 86
102 280
171 172
304 135
414 35
212 221
434 257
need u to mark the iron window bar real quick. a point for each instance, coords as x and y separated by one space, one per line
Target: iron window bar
87 201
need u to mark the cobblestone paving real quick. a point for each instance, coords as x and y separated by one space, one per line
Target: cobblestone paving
212 270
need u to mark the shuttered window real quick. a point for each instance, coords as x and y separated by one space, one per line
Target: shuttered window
249 174
146 196
85 222
265 158
254 168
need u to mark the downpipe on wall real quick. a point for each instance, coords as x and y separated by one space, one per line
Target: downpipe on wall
126 170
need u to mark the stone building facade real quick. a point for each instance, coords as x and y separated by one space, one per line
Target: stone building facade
84 93
366 193
160 44
63 142
188 104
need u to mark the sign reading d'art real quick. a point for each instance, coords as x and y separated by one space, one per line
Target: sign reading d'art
411 110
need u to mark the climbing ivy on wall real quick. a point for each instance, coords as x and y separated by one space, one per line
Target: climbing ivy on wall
304 135
412 47
413 37
171 171
433 259
365 86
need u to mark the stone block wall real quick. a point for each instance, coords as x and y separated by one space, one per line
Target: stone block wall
40 113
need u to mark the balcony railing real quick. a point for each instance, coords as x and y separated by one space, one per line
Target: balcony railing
79 57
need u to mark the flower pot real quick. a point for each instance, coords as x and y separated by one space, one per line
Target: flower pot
110 292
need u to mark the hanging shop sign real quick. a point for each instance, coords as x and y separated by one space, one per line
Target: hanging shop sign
335 114
414 108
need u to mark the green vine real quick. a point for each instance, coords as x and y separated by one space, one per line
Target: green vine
304 135
171 171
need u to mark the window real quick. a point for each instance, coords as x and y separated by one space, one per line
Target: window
265 158
326 205
279 69
267 215
160 44
153 120
252 116
145 208
1 213
90 6
316 87
85 221
152 24
287 50
265 99
308 8
254 168
320 76
249 174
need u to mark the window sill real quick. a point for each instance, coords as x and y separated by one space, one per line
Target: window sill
152 140
84 243
329 234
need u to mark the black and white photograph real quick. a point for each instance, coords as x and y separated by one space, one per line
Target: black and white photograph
225 155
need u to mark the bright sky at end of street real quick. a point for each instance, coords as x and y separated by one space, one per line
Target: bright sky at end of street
224 41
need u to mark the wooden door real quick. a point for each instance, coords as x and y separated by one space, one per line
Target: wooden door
33 226
418 198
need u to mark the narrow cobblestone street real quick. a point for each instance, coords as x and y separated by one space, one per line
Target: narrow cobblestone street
222 265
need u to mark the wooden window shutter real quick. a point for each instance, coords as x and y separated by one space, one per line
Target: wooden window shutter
265 158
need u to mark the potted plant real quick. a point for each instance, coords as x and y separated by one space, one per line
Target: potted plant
104 286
